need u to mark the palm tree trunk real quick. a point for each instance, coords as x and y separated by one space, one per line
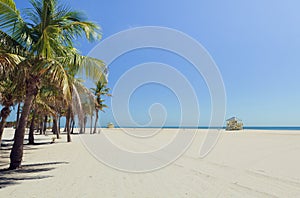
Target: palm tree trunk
54 127
91 123
18 114
4 114
72 126
68 117
31 130
45 124
41 124
84 123
16 154
96 120
80 124
65 129
58 127
72 123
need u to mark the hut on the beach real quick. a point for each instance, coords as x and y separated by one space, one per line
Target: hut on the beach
110 125
234 124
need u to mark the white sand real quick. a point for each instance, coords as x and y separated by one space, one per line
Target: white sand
242 164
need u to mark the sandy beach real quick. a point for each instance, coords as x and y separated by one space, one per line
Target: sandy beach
229 65
242 164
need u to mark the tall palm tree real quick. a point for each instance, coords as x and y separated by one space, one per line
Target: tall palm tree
83 104
99 91
8 96
10 86
42 106
47 32
7 101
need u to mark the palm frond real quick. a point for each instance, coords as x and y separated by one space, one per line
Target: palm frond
41 105
8 62
54 72
9 15
92 68
11 54
74 24
48 45
10 45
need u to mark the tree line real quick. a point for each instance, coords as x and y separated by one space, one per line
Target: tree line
39 69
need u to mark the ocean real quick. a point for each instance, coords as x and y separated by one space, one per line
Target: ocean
288 128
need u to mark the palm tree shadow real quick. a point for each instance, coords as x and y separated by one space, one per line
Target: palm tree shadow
5 151
4 155
26 172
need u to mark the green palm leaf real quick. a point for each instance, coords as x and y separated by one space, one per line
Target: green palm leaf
9 14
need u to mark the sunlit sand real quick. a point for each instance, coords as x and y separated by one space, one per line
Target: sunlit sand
251 163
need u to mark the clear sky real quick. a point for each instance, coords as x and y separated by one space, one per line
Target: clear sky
256 45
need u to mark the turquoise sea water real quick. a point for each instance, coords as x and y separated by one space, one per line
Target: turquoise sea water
246 127
273 128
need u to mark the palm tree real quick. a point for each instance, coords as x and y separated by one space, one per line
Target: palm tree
47 34
99 91
42 105
10 56
83 104
7 100
57 103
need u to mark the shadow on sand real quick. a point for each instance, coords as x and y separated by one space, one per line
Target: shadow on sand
27 172
5 152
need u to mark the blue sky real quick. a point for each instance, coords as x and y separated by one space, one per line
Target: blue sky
256 45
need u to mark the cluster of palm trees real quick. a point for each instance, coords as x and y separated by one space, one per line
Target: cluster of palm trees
39 66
